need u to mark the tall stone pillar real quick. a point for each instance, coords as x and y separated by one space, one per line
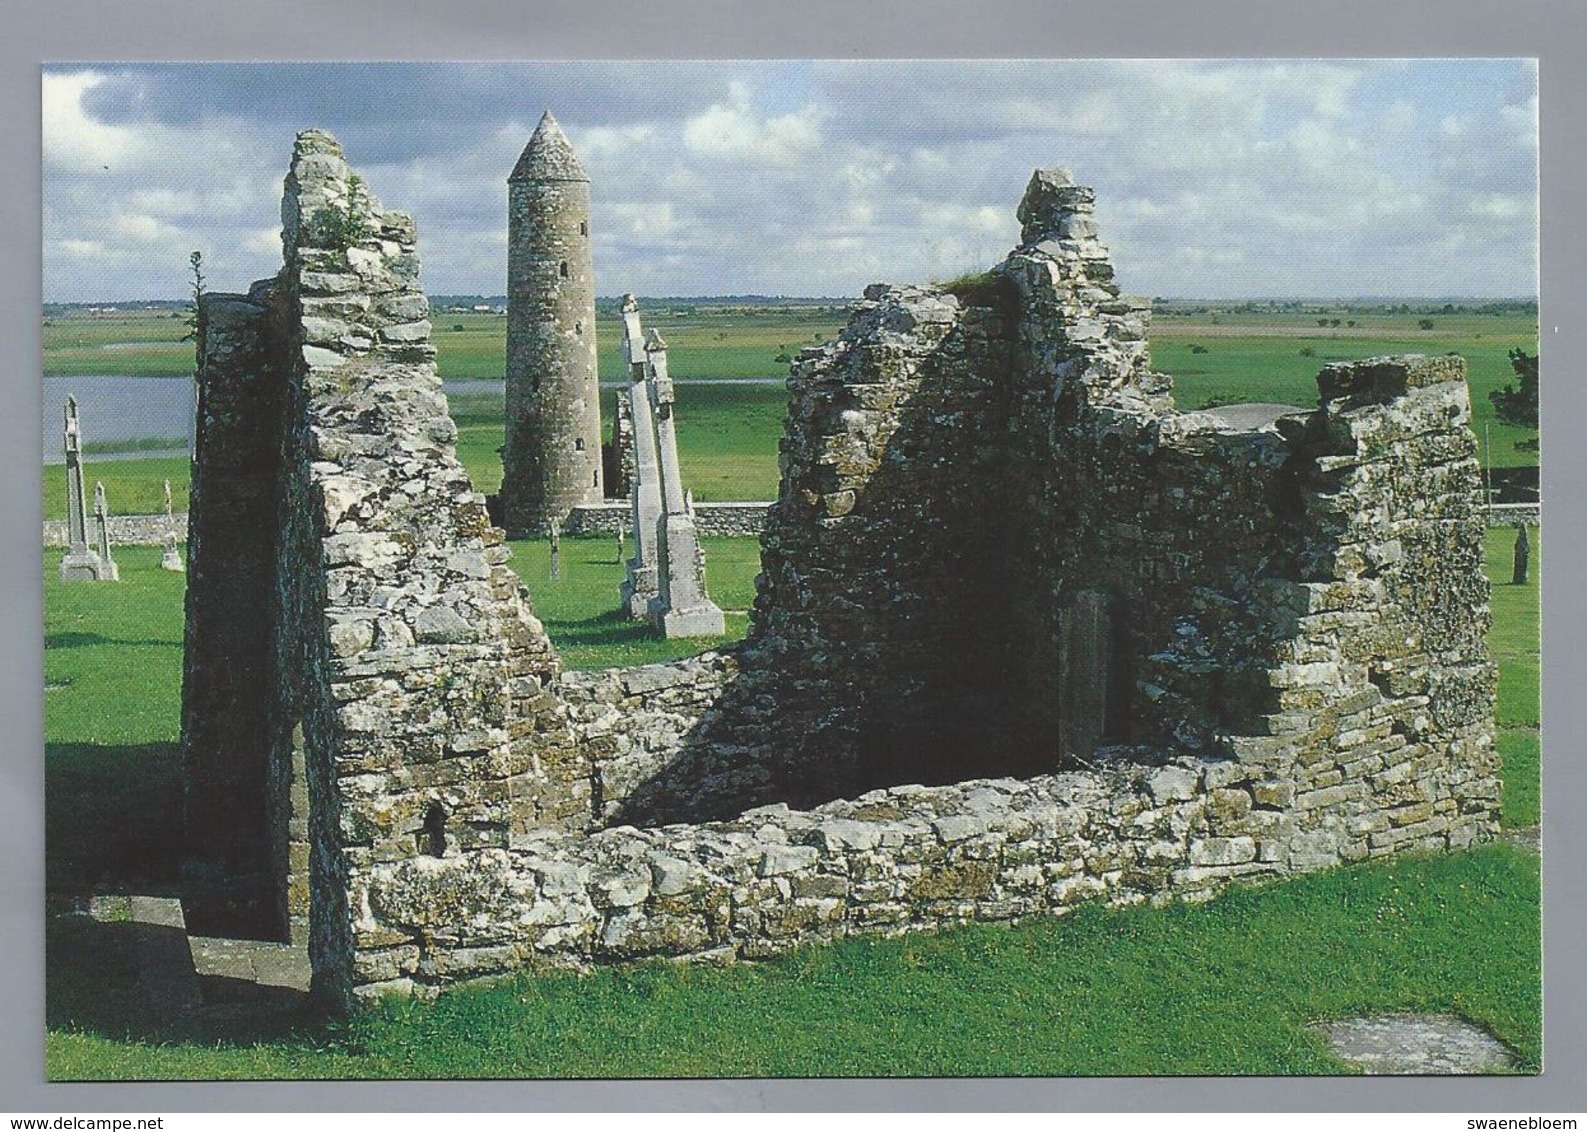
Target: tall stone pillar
80 563
681 608
552 458
640 587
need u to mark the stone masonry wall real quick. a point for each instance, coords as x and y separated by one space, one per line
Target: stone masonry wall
231 794
407 675
1245 642
1376 739
723 520
728 520
1025 636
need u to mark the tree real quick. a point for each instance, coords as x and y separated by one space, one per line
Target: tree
1517 404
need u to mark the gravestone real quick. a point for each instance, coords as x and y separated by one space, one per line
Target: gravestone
681 608
107 567
554 534
172 558
80 563
640 586
1523 555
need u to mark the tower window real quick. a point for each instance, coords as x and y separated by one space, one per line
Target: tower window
584 228
563 270
578 328
578 444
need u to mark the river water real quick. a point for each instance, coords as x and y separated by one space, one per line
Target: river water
115 409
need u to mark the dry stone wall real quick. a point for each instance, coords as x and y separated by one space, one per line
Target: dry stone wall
721 520
1025 635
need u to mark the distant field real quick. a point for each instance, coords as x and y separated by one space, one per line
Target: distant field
727 435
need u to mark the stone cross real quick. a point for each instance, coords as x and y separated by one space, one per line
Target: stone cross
172 558
1523 555
107 568
681 607
640 585
620 543
80 563
554 532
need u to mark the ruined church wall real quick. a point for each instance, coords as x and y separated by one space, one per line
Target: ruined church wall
442 734
1372 736
231 793
1025 636
1304 684
862 663
405 686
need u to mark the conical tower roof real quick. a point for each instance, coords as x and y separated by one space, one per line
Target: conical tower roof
549 156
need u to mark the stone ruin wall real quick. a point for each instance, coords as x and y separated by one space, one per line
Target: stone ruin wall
1216 653
358 613
1172 648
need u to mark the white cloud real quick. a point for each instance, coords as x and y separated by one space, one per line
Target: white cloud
653 219
734 131
139 228
73 139
1212 177
81 249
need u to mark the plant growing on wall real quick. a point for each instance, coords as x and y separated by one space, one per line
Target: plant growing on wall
342 226
195 309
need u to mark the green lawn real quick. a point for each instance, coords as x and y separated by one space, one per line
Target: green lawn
1222 988
1515 640
580 612
1265 358
709 342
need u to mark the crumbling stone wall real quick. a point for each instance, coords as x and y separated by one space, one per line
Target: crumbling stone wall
396 659
1025 635
723 520
234 500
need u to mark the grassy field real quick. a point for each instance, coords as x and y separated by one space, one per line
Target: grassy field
1226 987
727 435
701 341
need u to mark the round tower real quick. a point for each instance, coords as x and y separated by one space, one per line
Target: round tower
552 458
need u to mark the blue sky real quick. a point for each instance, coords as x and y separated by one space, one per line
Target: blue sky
1214 178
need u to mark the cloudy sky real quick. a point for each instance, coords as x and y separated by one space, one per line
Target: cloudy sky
1214 179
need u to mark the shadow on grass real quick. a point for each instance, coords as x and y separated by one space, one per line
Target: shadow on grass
610 628
112 817
95 984
70 640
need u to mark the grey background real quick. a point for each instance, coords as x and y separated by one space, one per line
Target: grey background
510 29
